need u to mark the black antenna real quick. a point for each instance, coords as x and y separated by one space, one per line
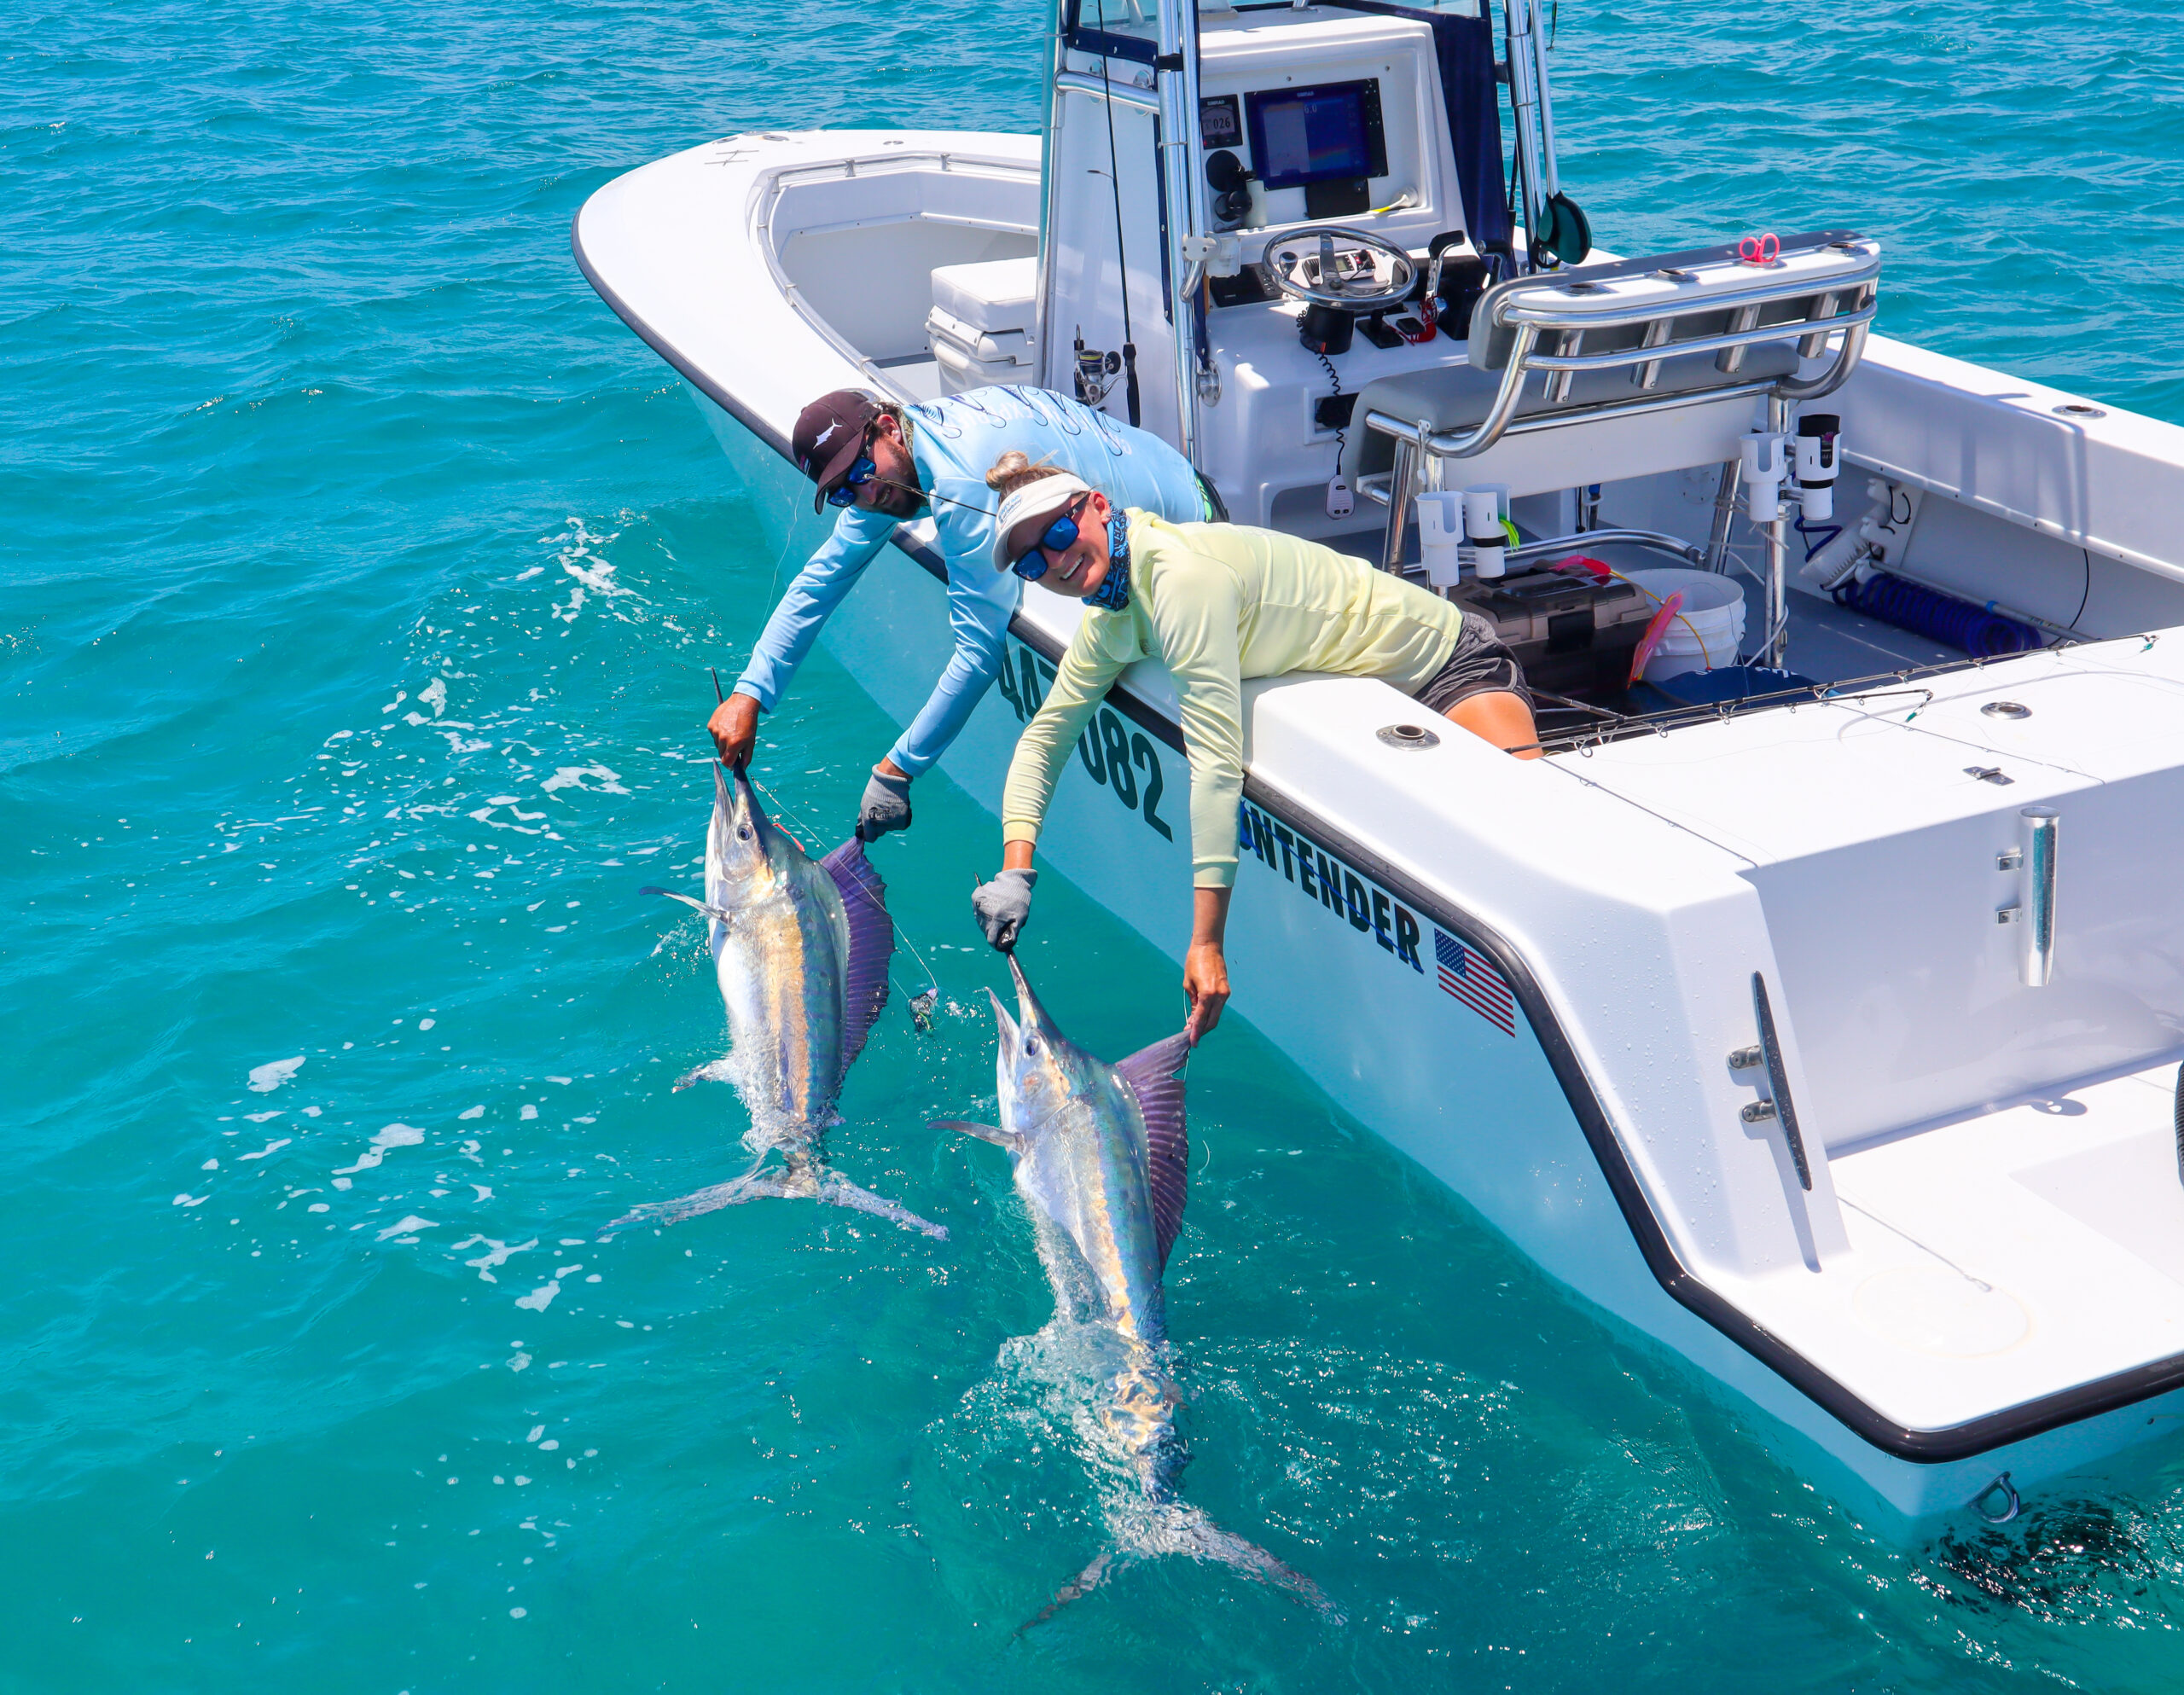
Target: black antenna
1121 259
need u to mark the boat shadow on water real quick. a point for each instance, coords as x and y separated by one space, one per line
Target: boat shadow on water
2082 1559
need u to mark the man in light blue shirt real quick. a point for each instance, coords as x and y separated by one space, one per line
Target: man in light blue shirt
882 464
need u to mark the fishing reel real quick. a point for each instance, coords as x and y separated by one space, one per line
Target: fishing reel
1096 371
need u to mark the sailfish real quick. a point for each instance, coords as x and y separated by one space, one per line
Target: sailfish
1101 1155
801 948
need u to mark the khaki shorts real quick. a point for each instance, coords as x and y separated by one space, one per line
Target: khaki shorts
1479 663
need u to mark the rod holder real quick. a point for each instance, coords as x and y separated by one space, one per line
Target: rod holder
2037 827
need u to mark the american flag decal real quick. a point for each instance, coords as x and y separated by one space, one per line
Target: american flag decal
1467 974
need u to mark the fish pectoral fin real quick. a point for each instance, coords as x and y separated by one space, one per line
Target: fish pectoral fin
992 1133
1076 1589
718 1071
722 914
839 1191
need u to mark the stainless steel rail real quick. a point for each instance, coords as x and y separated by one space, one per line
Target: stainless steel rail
1123 94
1785 1112
1175 75
2039 827
1656 541
1500 420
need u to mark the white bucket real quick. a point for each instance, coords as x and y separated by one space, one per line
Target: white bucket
1710 627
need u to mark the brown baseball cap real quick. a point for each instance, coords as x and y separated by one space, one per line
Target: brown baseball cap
829 436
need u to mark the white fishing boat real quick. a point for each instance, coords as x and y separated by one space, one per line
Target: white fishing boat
1827 1038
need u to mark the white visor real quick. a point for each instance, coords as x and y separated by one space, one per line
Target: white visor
1044 498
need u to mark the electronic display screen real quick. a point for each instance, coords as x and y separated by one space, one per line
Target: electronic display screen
1218 122
1316 134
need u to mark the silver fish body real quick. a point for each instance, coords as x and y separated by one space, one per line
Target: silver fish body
1101 1158
781 956
800 949
1084 1166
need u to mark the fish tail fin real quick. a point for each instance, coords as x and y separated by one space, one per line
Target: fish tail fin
754 1185
1175 1529
1076 1589
1178 1529
800 1179
839 1191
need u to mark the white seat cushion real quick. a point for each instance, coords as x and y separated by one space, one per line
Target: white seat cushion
1457 397
994 295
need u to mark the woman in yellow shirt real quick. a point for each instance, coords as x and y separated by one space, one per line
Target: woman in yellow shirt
1215 603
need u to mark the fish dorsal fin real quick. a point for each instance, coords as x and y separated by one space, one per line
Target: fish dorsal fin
872 944
1153 1075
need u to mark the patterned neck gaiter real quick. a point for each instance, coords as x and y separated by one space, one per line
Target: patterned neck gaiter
1113 592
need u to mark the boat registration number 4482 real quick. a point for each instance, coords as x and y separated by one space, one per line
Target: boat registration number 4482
1122 760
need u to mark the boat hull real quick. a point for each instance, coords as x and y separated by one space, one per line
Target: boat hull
1350 985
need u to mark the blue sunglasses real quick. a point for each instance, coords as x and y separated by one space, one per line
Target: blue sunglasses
845 492
1032 564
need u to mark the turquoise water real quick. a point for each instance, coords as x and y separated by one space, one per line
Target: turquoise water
362 576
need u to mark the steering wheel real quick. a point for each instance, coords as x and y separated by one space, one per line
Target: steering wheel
1350 271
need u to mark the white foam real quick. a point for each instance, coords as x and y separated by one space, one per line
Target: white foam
262 1118
265 1078
191 1200
528 1112
499 1256
393 1136
541 1298
572 777
433 694
472 1112
483 1193
270 1147
408 1227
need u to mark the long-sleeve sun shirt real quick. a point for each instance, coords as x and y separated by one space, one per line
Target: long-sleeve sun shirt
953 442
1216 603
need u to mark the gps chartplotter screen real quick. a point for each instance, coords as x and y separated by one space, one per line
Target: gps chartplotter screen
1316 134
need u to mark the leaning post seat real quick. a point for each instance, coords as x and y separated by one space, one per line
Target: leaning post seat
1608 372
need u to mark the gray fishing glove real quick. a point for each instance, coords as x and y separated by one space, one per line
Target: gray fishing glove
886 806
1002 906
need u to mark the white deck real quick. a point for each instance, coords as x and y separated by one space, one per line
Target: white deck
2036 1246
